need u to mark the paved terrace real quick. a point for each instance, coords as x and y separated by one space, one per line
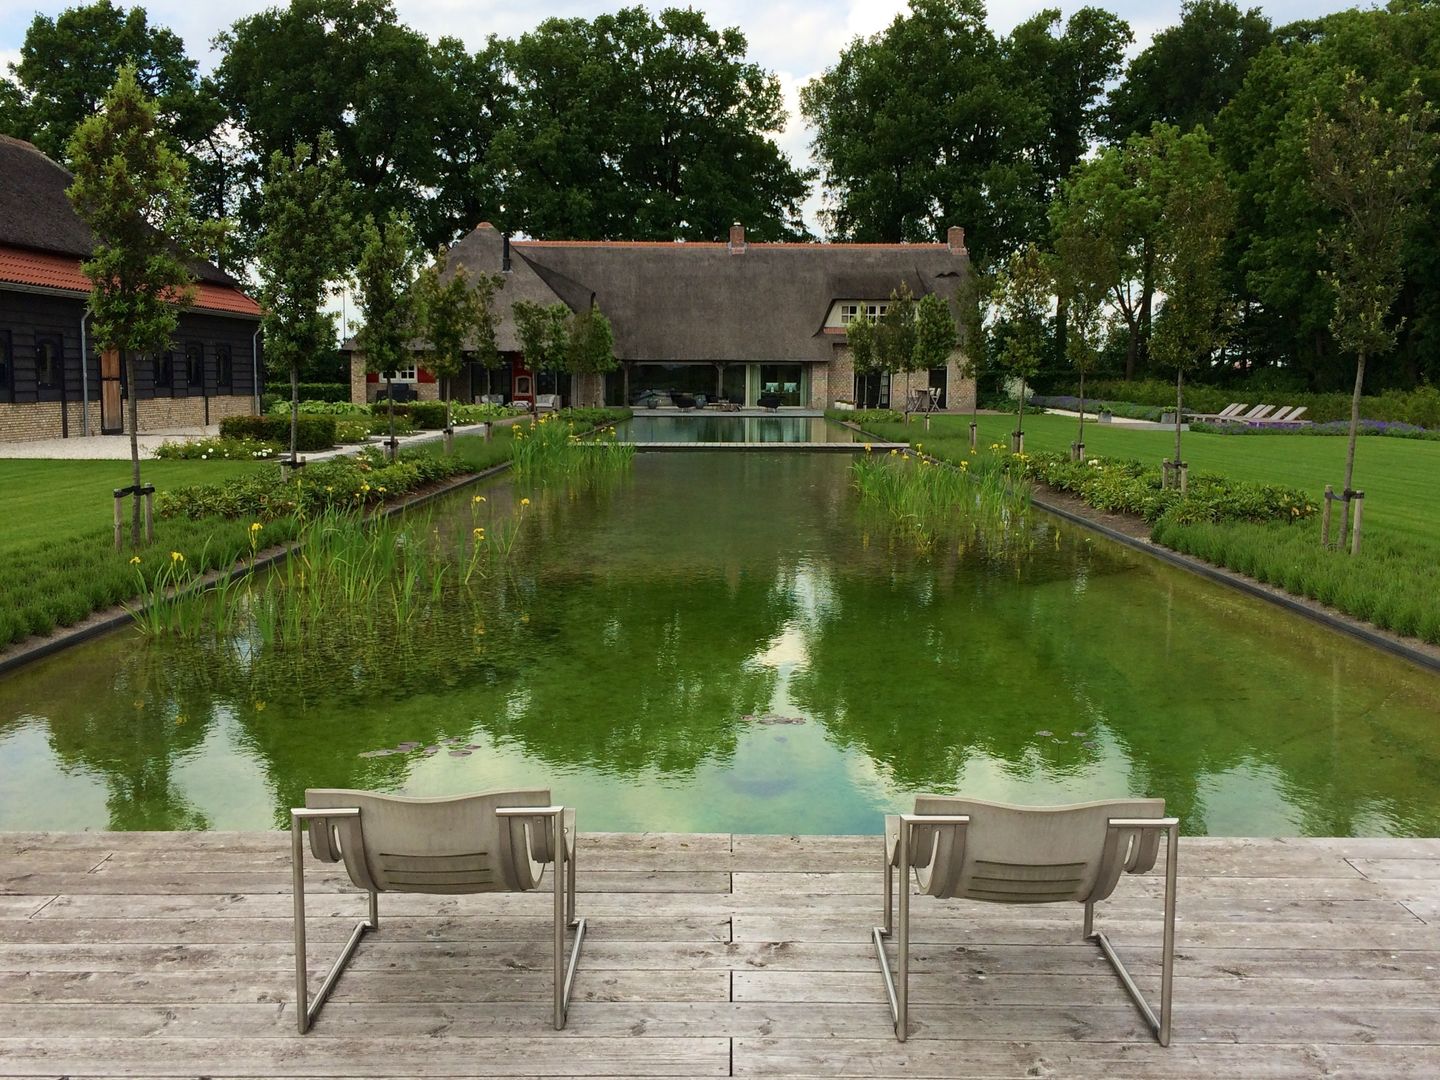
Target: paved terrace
711 955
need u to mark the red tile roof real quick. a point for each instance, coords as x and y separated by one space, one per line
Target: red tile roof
52 271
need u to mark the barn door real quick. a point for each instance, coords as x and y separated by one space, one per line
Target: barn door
112 419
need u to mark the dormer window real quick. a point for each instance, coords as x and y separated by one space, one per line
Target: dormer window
849 312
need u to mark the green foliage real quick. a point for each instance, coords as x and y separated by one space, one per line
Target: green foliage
650 127
451 315
312 432
935 335
1189 71
863 417
1420 406
554 446
57 581
221 449
68 63
591 349
130 189
384 276
321 407
332 392
303 245
1130 487
1393 584
544 333
1022 301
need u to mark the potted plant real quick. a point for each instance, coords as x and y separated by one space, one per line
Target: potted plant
844 405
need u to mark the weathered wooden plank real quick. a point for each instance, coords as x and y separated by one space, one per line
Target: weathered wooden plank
22 907
1398 869
1351 887
518 1055
161 931
986 988
475 984
922 1058
107 880
1128 933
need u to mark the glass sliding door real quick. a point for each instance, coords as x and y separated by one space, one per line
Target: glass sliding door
787 381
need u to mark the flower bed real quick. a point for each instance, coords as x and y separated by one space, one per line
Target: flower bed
217 449
1394 429
1131 487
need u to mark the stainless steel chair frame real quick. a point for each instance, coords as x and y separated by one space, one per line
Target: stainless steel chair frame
306 1010
897 987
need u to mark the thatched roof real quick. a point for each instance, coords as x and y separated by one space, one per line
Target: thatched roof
35 212
701 301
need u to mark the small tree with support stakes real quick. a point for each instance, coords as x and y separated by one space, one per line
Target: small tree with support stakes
384 277
130 189
935 336
1197 210
449 314
1367 162
860 337
304 245
591 348
895 341
544 333
1023 287
974 292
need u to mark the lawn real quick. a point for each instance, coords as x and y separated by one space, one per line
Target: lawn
1400 477
55 500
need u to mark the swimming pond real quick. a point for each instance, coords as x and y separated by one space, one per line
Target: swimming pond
726 642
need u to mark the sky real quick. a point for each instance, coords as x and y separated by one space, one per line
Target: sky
796 39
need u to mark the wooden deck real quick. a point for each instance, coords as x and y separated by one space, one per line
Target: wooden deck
711 955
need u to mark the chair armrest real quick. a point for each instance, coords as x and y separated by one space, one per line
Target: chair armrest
892 839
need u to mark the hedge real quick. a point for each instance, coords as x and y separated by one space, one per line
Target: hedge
1131 487
324 391
1420 406
312 432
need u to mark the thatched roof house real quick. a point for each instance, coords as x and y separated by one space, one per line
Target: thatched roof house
45 389
733 319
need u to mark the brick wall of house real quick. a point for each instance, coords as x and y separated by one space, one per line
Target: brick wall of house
358 393
841 378
959 391
42 420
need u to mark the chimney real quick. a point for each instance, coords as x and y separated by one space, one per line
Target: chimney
737 239
955 240
505 253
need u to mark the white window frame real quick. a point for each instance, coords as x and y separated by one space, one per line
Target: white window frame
848 313
877 310
409 374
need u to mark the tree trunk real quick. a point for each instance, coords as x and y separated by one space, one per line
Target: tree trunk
1062 330
449 420
294 410
1020 416
1147 299
1354 428
134 453
1179 405
1080 439
390 408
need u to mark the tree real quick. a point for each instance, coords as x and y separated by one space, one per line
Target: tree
644 127
860 336
935 335
1022 301
1189 71
1069 72
450 316
348 67
895 339
304 245
67 65
1197 212
591 348
1368 163
1087 274
130 189
544 333
922 126
384 277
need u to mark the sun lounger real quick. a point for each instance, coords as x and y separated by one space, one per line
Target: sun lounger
971 850
1284 416
499 841
1226 413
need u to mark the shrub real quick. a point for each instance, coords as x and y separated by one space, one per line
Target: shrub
220 449
352 431
1130 487
331 392
310 407
1391 429
1420 406
861 417
312 432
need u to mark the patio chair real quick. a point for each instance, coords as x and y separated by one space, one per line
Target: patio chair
498 841
968 849
770 401
547 403
1227 413
492 399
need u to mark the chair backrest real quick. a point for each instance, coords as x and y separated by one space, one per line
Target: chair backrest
1283 414
1231 409
1301 411
451 844
1032 854
1260 412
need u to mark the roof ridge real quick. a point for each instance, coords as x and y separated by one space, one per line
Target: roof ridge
681 244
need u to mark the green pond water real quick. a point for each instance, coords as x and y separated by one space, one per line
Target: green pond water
725 641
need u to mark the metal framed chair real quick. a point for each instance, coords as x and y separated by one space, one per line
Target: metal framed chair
497 841
968 849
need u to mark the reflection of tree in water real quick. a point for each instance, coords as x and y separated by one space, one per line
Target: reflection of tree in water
136 757
925 668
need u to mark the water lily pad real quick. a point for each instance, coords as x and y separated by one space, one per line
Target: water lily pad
1078 734
408 745
472 746
459 753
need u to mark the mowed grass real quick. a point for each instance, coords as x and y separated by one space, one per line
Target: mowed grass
1400 477
56 500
